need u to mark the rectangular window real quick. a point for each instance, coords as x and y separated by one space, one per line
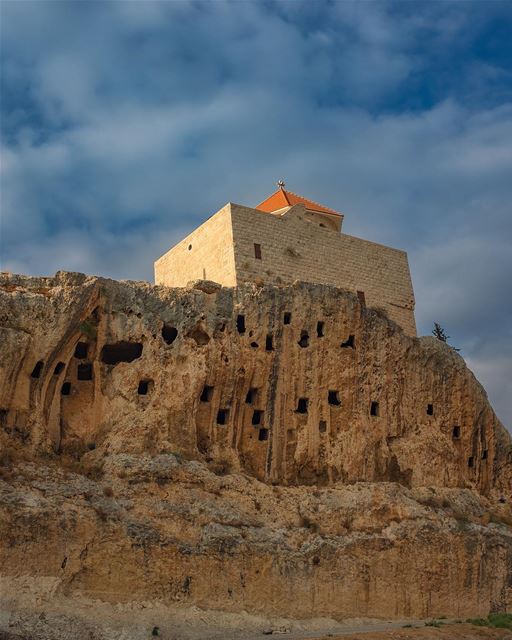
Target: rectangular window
257 251
257 417
84 371
206 394
222 416
251 395
302 405
263 435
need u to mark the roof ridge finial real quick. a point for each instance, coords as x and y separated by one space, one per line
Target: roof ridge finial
281 184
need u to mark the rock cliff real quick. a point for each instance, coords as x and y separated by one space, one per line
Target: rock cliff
280 450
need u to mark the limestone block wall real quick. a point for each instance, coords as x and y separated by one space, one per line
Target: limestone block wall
206 253
294 247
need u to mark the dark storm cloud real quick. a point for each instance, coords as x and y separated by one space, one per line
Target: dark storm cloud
124 124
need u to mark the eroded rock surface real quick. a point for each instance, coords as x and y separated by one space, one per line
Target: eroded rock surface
276 450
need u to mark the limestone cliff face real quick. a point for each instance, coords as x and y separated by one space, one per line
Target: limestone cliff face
280 449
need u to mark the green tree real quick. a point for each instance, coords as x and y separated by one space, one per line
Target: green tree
440 334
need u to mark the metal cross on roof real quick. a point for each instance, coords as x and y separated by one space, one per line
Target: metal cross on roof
280 184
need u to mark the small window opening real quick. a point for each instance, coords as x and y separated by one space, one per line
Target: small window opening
222 416
263 435
322 426
121 352
322 225
456 432
471 461
240 324
206 394
362 298
143 387
254 345
190 247
302 405
269 346
257 417
59 367
169 334
81 350
84 371
334 399
349 343
66 389
374 408
304 339
257 251
485 454
430 409
36 371
320 329
287 318
251 395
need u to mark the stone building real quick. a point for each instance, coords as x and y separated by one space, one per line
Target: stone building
288 238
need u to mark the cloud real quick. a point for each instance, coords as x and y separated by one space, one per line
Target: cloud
125 124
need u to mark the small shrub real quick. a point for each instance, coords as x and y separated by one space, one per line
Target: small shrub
495 620
433 623
88 329
290 251
108 491
307 523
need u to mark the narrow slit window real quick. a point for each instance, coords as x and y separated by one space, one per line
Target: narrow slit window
240 324
222 416
471 461
320 329
302 405
36 371
304 339
251 395
81 350
287 318
263 435
206 394
257 251
362 298
66 389
322 426
59 367
485 454
430 409
257 417
456 433
84 371
333 398
269 343
374 409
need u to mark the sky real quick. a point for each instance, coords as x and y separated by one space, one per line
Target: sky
125 124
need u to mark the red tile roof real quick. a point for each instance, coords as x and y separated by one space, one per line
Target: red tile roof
283 198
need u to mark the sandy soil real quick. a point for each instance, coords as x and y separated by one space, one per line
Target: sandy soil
445 632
